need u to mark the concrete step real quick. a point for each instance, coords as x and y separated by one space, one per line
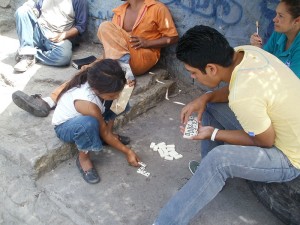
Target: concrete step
39 150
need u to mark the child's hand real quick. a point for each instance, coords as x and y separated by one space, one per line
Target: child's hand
132 158
131 82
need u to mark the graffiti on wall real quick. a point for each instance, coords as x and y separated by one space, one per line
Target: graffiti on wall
229 12
269 14
105 15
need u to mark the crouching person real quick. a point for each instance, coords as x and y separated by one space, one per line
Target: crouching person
81 116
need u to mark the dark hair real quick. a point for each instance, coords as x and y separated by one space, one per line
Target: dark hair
201 45
293 7
105 76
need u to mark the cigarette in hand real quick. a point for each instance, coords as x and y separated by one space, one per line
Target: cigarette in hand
257 27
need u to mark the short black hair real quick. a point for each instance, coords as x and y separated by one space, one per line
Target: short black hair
201 45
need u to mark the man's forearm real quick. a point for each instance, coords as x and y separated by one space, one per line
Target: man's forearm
235 137
162 42
73 32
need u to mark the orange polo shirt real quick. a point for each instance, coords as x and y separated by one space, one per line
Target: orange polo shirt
154 21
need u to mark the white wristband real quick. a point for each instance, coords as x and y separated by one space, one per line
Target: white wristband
214 133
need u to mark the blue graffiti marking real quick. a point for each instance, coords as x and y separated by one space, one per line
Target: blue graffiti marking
269 14
228 11
104 16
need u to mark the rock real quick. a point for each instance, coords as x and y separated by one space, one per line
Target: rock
283 199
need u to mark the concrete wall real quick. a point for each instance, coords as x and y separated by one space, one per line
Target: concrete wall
233 18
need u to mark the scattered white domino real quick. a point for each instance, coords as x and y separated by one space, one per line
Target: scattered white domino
168 157
142 170
171 146
152 145
191 128
177 156
161 153
142 164
165 151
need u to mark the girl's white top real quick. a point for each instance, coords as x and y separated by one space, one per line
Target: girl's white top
65 108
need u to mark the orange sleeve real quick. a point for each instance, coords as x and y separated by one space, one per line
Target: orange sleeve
165 21
115 20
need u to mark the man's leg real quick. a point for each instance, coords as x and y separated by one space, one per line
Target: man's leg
50 53
25 25
220 116
225 161
35 104
116 44
142 60
26 22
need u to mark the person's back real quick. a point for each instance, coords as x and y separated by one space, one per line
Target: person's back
264 91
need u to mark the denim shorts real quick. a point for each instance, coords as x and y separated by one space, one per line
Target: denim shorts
84 130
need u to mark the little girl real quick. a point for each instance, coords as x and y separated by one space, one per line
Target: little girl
81 116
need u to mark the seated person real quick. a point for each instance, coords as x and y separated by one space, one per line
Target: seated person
129 39
45 30
284 42
261 126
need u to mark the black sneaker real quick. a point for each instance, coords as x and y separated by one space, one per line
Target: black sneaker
193 166
33 104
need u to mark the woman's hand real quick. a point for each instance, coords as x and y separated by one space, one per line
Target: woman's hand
256 40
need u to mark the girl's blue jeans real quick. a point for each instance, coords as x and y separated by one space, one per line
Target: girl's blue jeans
84 130
222 162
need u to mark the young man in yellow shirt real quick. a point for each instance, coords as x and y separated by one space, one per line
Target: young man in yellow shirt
261 126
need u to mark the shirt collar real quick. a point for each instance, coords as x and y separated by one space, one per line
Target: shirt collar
121 9
282 41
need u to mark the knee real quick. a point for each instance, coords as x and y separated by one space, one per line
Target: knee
22 11
64 55
218 160
103 28
91 123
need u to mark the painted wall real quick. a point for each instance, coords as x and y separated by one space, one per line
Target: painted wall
233 18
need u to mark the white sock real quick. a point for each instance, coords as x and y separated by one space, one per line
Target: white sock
50 102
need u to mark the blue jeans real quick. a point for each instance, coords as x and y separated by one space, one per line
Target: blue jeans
34 42
220 116
222 162
84 130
